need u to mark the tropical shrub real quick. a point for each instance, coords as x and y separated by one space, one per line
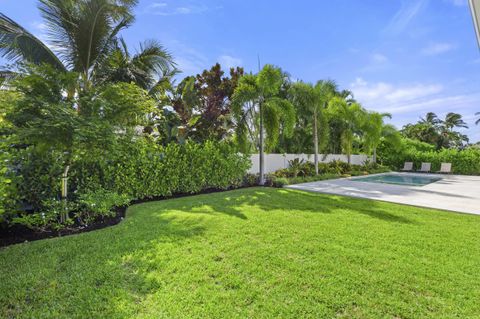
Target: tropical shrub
132 169
99 203
279 182
465 161
296 166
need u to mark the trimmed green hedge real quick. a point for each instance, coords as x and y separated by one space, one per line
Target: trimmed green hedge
145 169
466 162
130 170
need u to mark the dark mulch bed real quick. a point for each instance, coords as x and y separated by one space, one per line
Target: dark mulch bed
19 233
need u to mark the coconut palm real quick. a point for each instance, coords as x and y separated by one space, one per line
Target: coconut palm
453 120
431 119
314 98
81 35
141 68
257 107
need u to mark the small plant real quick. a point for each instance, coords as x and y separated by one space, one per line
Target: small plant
250 180
339 167
279 182
296 167
99 203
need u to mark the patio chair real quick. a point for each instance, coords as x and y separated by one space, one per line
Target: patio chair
407 167
445 168
426 167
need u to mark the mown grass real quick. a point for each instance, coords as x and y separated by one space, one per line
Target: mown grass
258 253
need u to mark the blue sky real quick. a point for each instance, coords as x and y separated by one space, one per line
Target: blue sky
406 57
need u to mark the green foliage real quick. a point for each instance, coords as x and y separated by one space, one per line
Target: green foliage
295 166
300 171
124 104
466 161
333 256
5 181
132 169
437 132
99 203
280 182
256 100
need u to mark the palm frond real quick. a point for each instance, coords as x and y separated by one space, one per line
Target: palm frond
17 44
82 31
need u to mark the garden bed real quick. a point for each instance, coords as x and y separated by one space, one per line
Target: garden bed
20 233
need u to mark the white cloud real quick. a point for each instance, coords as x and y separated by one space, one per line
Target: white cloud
228 61
189 60
158 5
408 102
164 9
437 48
402 18
379 58
388 97
376 61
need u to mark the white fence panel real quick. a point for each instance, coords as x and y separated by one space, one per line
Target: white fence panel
275 162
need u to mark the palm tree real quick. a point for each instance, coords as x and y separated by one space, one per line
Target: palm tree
315 99
431 119
141 68
256 98
349 117
82 34
453 120
375 130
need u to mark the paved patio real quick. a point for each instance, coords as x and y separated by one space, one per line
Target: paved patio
454 192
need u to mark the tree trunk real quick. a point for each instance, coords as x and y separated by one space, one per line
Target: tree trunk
374 157
349 158
315 140
261 155
64 214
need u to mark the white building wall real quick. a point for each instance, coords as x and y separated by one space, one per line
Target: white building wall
275 162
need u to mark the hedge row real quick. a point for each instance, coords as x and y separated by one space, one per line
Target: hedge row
133 170
145 169
466 162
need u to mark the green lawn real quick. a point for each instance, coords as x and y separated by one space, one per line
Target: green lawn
258 253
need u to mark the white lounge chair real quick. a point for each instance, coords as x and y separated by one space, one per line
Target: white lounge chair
407 167
445 168
426 167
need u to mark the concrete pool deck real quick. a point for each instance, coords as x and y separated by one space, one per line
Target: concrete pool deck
457 193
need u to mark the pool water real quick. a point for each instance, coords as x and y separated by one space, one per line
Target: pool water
410 180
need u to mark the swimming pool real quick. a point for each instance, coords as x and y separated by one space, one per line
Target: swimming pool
399 179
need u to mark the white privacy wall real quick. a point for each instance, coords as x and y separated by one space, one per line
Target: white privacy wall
275 162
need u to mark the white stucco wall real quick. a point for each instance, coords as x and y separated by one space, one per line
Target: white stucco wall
275 162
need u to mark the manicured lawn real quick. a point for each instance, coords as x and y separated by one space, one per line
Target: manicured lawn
258 253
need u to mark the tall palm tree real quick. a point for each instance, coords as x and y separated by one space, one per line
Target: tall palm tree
375 130
256 100
81 34
314 98
453 120
350 118
431 119
141 68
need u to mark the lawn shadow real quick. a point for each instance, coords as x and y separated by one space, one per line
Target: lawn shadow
232 203
129 256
